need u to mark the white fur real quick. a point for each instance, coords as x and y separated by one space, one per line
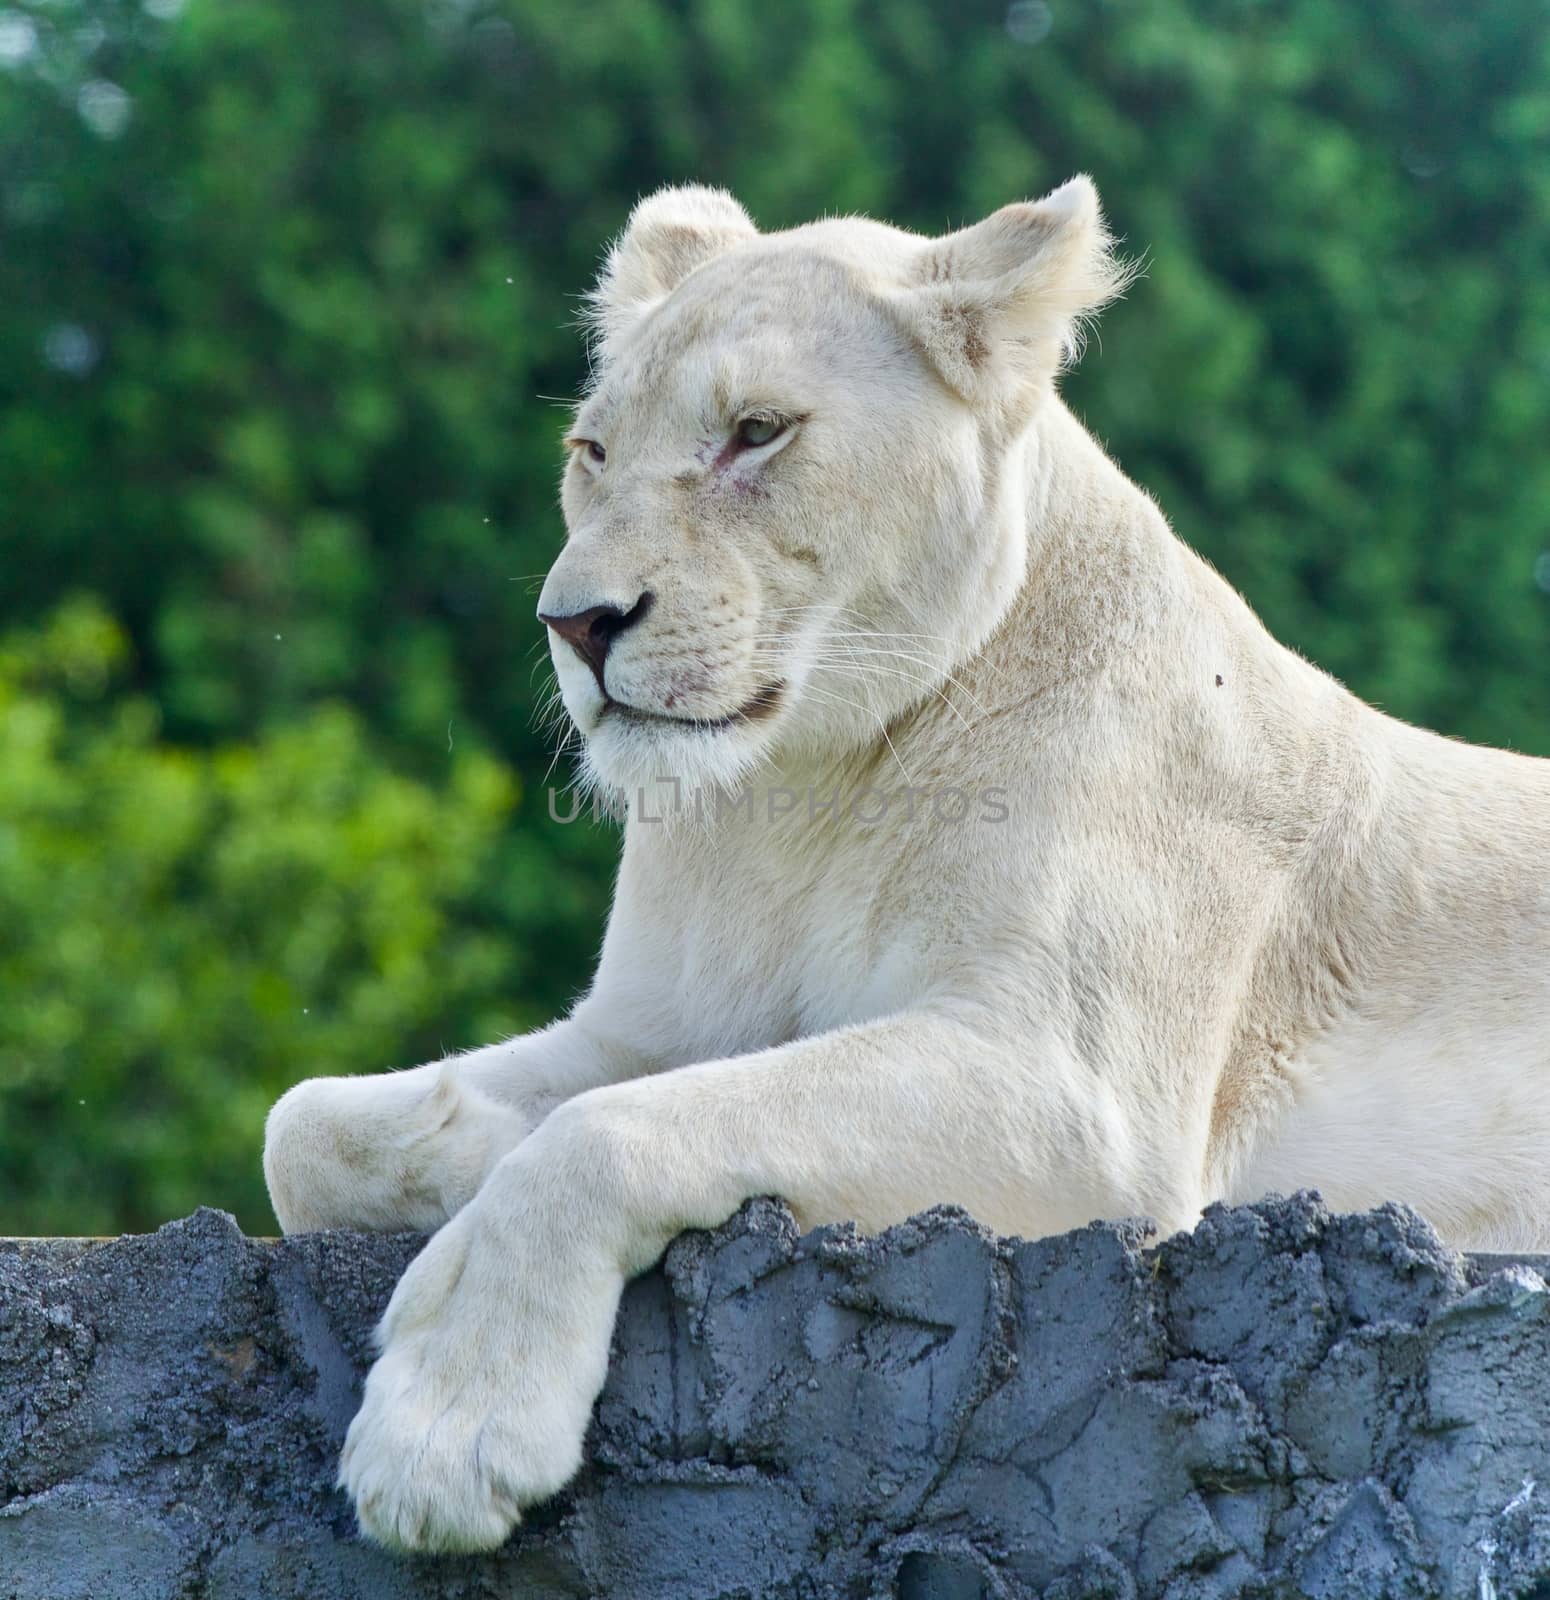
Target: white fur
1237 931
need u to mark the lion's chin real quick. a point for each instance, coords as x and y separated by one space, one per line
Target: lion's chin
660 767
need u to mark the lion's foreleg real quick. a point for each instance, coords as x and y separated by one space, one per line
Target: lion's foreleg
499 1331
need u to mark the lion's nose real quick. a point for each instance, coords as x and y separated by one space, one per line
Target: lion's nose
591 633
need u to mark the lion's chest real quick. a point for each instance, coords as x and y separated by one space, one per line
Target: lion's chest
855 968
776 948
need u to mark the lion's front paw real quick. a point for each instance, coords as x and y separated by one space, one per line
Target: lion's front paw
480 1401
437 1459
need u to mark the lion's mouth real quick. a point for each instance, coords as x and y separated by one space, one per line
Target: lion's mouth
763 704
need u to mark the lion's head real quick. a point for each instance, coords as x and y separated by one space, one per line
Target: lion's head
795 494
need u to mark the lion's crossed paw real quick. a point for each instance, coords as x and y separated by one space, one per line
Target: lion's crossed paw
479 1402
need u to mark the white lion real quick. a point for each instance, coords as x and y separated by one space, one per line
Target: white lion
1013 863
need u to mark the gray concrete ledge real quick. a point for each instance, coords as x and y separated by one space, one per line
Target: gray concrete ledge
1280 1404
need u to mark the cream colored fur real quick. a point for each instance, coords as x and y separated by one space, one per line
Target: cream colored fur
1238 931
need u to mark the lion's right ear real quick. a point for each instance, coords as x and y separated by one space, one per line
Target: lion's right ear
669 234
998 308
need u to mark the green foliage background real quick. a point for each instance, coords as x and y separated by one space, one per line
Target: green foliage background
286 292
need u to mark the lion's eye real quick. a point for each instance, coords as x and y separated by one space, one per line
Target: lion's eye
752 432
590 448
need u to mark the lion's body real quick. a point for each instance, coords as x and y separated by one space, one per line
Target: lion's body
1006 860
1277 939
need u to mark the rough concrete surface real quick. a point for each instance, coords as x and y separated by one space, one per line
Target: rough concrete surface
1282 1403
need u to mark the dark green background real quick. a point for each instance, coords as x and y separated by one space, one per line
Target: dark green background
287 295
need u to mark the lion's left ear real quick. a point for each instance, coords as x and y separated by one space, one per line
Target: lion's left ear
669 234
1001 305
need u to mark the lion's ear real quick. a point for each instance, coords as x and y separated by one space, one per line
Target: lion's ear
669 234
1001 305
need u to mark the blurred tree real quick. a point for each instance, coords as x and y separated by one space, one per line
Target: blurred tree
183 932
288 296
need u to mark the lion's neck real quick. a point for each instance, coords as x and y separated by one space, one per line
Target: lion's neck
1103 568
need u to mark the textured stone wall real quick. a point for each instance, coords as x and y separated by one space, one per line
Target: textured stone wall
1281 1404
